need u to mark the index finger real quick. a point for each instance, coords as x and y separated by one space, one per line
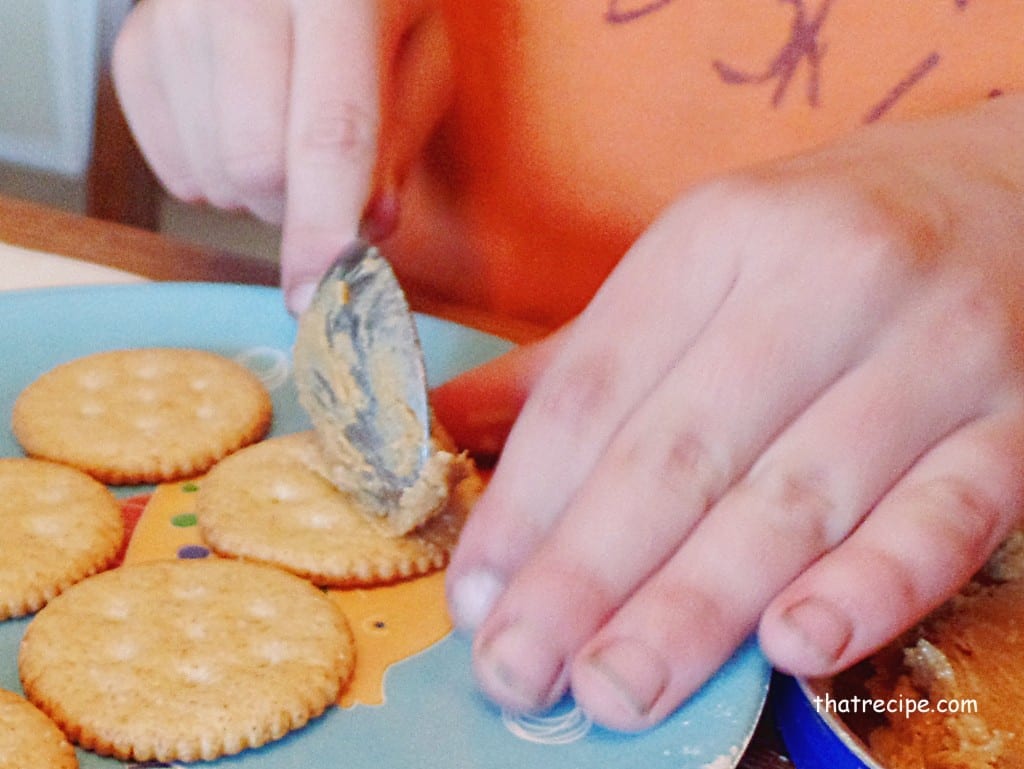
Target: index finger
331 139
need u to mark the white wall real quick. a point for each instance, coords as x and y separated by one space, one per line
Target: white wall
48 60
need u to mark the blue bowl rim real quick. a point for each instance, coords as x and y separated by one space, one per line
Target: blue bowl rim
816 739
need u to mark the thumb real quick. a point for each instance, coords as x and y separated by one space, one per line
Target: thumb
478 408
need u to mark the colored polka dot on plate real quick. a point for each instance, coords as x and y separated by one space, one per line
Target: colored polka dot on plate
193 551
184 520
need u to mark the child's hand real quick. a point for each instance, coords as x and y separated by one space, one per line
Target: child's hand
273 106
797 406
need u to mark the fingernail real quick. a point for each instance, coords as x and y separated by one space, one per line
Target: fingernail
473 596
520 669
300 297
632 674
820 627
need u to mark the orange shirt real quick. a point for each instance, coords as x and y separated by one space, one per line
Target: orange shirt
577 121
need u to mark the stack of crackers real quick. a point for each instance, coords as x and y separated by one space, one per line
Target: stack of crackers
189 659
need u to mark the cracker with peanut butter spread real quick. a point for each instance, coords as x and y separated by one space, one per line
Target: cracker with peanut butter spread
273 503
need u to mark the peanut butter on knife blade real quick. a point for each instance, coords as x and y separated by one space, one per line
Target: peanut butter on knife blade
361 378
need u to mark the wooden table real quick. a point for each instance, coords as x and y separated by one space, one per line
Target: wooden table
160 258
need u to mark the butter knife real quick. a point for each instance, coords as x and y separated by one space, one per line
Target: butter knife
361 378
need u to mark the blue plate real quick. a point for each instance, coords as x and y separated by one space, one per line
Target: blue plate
432 715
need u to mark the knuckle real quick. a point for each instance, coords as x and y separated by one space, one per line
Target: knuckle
675 608
908 233
800 508
880 257
677 469
580 583
841 235
975 321
581 393
901 579
682 463
569 591
804 495
687 456
338 129
966 522
881 252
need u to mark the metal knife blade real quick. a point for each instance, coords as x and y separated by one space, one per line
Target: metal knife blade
361 378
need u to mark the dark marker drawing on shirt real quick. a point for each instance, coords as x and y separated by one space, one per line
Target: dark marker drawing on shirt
617 15
803 44
922 68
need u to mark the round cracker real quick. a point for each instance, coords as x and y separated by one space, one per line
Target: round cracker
142 415
59 526
185 660
271 502
29 738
